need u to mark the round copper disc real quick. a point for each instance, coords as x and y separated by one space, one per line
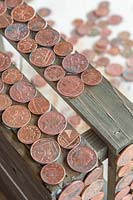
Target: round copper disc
29 134
75 143
23 13
37 23
3 7
45 150
99 196
53 173
39 105
6 64
102 62
114 69
52 123
22 91
5 102
72 191
27 45
63 48
2 58
42 57
5 20
70 86
16 116
16 31
125 169
122 193
13 3
115 19
54 73
125 156
47 37
44 12
75 63
1 86
128 197
82 159
11 76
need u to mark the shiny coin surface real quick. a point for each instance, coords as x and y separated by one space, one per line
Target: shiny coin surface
45 150
125 169
5 102
16 116
63 48
82 159
5 20
54 73
126 156
75 143
3 7
102 62
115 19
2 58
52 123
1 86
13 3
99 196
6 64
37 23
11 76
114 69
27 45
122 193
53 173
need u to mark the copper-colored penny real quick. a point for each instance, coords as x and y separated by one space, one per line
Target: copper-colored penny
2 59
70 86
16 31
91 77
16 116
54 73
124 35
11 76
44 12
126 156
23 13
127 197
114 69
93 189
115 19
114 51
75 63
13 3
3 7
53 173
1 86
93 176
67 137
74 120
5 20
102 62
29 134
27 45
125 169
83 29
45 150
82 159
128 75
37 23
39 105
6 64
47 37
102 43
38 81
52 123
102 12
75 143
122 193
77 22
106 32
72 191
63 48
42 57
99 196
76 198
22 91
5 102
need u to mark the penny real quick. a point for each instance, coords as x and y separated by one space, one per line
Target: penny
82 159
5 102
13 3
93 189
27 45
125 156
37 23
54 73
23 13
74 120
104 4
28 134
39 105
6 64
122 193
102 62
72 190
125 169
42 57
63 48
114 51
115 19
132 186
2 59
124 35
99 196
11 76
38 81
102 43
70 86
47 37
53 173
16 32
3 7
76 198
75 143
128 75
52 123
44 12
77 22
1 86
106 32
5 20
22 91
114 69
16 116
127 197
102 11
89 54
45 150
83 29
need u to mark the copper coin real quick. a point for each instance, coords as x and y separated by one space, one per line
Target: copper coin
102 62
74 120
132 186
13 3
6 64
44 12
128 75
52 123
77 22
126 156
5 20
128 197
114 69
102 12
124 182
3 7
106 32
42 57
75 143
39 105
29 134
23 13
76 198
47 37
70 86
89 54
93 189
91 77
75 63
54 73
122 193
22 91
125 169
5 102
16 116
83 29
115 19
63 48
27 45
93 176
53 173
72 190
1 86
114 51
16 31
2 59
45 150
103 43
67 137
82 159
11 76
38 81
99 196
37 23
